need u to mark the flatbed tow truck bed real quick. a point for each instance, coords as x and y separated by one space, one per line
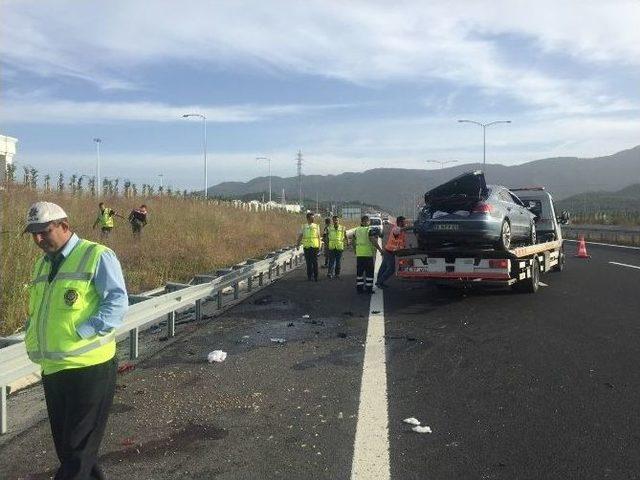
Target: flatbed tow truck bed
518 267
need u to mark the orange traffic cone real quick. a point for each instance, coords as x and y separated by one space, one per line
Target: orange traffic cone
582 249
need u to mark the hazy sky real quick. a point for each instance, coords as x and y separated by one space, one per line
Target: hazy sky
354 85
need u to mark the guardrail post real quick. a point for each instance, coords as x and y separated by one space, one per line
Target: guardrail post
236 290
278 270
219 298
260 278
198 310
249 284
284 267
133 343
269 273
171 324
3 409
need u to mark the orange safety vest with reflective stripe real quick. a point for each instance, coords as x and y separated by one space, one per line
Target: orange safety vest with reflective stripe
395 242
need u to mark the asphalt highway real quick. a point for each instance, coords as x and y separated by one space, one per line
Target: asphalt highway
513 386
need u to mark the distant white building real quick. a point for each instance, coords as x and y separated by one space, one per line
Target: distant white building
7 151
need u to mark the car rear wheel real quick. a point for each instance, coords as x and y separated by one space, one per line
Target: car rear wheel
505 236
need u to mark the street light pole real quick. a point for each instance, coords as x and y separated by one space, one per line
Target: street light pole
161 180
268 160
442 162
98 186
204 145
484 135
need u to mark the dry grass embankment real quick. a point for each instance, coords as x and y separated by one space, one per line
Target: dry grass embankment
183 237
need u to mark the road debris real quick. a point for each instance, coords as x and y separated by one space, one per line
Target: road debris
375 312
419 429
216 356
278 340
306 315
412 421
266 300
126 367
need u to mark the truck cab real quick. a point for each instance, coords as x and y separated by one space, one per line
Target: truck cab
540 202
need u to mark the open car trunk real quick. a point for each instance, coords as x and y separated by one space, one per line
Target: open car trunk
461 193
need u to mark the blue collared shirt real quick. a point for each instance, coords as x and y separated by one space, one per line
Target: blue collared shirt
109 283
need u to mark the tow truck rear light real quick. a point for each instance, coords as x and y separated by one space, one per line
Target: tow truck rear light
482 207
405 262
502 263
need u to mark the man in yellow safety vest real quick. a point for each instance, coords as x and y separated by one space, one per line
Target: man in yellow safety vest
365 245
337 239
310 239
105 220
77 297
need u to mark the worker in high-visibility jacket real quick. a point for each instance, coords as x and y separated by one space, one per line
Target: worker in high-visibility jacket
337 240
77 297
105 220
365 245
310 240
395 241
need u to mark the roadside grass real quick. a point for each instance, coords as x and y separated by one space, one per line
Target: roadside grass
183 237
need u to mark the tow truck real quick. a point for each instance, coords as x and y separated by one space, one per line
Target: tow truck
519 268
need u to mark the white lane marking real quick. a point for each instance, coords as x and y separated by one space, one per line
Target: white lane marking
542 284
371 446
625 265
605 244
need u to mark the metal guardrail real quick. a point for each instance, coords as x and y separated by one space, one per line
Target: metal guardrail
604 233
148 307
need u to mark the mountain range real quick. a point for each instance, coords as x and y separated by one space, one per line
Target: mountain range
395 188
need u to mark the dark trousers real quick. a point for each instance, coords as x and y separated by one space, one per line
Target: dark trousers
387 267
105 232
364 274
78 403
326 253
311 257
335 259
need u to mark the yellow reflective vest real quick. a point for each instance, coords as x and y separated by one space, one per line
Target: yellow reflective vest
106 218
57 308
310 235
336 237
364 248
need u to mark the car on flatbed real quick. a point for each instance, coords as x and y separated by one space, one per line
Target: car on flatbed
469 265
465 211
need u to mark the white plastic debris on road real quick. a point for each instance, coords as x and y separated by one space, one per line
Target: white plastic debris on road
412 421
419 429
278 340
306 316
217 356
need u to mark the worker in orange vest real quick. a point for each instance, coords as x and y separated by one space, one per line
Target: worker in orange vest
396 241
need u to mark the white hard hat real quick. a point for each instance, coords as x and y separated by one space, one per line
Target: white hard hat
41 214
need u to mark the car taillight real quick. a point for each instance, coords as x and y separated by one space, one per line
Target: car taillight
498 263
482 207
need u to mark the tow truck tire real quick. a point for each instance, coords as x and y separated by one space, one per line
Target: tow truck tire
531 284
561 261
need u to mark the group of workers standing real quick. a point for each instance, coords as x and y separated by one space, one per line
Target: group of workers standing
137 219
365 243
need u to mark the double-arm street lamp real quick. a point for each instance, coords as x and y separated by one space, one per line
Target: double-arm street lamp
268 160
484 135
204 144
442 162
